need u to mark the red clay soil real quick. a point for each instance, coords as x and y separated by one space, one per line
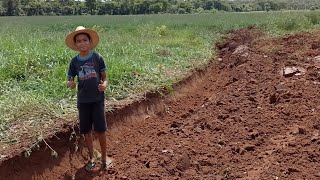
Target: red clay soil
252 114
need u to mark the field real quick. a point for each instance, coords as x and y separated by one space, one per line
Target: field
149 54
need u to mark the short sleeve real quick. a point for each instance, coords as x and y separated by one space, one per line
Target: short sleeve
102 65
72 70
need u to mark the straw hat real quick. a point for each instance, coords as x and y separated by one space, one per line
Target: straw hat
80 29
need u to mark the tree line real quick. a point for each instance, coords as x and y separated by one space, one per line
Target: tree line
130 7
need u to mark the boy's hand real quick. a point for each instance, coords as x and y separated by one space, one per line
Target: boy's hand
71 84
102 86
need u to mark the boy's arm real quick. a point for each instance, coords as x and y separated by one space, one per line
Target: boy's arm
103 82
71 74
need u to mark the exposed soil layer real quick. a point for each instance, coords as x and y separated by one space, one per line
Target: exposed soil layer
252 114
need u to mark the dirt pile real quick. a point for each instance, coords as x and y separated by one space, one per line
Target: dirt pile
252 114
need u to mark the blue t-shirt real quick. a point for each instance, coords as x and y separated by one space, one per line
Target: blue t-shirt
88 73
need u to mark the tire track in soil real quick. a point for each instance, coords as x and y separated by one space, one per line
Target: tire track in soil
241 118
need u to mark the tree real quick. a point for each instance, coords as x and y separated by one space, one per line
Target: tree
106 8
125 7
80 8
25 2
208 5
2 11
267 6
186 6
222 5
197 4
67 10
91 5
156 8
141 7
11 7
173 9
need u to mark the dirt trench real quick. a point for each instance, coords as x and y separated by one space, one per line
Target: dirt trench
252 114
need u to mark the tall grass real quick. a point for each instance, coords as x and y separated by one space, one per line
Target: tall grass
142 53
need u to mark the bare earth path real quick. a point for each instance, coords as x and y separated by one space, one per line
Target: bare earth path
252 114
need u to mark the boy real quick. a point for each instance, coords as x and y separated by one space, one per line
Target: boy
92 82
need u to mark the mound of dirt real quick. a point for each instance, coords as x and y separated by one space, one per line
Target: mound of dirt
252 114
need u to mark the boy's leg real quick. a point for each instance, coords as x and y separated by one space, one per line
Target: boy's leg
100 127
103 145
86 121
106 161
89 141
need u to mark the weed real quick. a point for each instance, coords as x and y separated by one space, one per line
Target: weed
36 146
313 17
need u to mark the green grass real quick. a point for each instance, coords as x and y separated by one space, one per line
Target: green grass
143 53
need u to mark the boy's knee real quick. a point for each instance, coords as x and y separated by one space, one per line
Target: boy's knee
84 130
100 132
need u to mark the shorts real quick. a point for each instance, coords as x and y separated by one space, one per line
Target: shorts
92 116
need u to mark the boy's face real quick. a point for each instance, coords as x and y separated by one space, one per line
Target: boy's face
83 42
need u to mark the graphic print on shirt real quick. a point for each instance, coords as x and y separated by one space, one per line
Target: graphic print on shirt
87 71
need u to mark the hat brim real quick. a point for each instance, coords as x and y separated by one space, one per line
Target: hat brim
93 35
